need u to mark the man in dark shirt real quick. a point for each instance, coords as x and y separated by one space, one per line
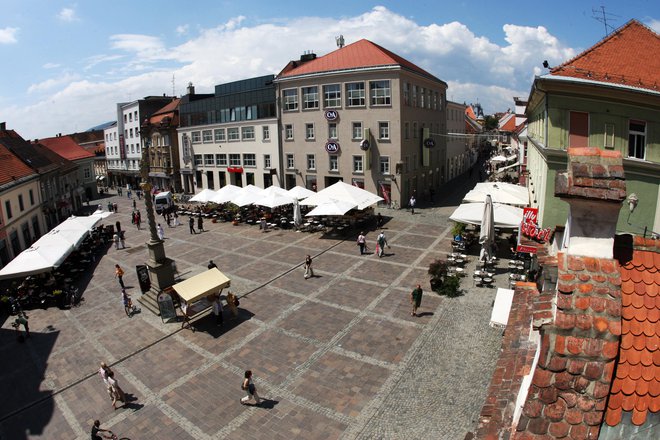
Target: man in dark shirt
96 428
212 265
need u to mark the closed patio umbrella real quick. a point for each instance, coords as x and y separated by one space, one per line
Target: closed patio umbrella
487 234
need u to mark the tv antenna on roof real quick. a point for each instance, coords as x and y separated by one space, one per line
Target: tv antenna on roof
340 41
604 17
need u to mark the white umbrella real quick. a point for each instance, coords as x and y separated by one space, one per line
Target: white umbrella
504 216
300 192
48 252
276 190
332 207
224 194
297 216
273 200
344 192
487 232
203 196
500 192
101 214
247 195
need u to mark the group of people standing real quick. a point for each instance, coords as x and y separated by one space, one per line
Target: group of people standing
381 244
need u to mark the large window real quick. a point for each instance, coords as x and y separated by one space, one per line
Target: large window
334 162
310 97
267 161
356 131
249 160
265 130
311 162
358 164
209 160
355 94
8 208
21 206
290 162
332 130
637 139
384 164
196 137
406 93
309 131
380 92
288 132
221 160
290 99
383 130
422 96
247 133
207 136
219 134
198 159
234 160
332 95
406 130
232 134
414 95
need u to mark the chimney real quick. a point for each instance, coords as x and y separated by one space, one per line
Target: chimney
191 89
3 126
307 56
579 340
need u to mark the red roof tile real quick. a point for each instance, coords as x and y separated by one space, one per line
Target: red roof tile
12 167
637 382
169 111
358 55
629 56
66 147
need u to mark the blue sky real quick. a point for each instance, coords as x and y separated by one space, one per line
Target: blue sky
66 64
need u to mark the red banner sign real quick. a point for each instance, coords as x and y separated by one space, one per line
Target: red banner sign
530 229
526 249
235 169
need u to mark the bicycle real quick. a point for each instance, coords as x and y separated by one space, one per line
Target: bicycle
394 205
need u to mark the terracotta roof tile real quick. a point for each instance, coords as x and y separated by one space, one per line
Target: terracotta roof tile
629 56
361 54
636 386
12 167
66 147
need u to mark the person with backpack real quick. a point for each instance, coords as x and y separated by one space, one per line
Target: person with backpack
381 242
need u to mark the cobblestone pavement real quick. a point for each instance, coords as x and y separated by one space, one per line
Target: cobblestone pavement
335 356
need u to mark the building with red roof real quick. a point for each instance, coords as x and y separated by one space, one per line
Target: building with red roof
160 130
580 356
607 97
364 115
67 147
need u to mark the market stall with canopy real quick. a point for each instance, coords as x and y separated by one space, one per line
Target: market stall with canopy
196 293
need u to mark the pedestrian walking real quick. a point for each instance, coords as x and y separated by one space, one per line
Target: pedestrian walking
250 388
212 265
309 272
134 204
119 274
200 223
232 303
110 208
114 207
191 223
121 240
381 242
118 226
103 373
161 232
115 239
138 219
176 219
217 311
362 242
117 393
379 221
416 299
21 320
412 203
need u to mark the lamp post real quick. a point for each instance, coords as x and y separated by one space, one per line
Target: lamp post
161 268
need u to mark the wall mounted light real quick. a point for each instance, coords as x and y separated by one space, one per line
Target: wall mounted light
633 200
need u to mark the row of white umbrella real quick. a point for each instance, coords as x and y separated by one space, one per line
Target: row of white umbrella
337 199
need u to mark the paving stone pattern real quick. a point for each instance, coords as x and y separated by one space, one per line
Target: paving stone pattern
337 356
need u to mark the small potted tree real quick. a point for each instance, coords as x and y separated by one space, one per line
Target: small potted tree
441 281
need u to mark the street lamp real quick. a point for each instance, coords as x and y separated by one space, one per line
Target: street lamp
161 268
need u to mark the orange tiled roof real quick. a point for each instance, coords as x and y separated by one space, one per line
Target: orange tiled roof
66 147
507 122
636 387
169 111
12 167
361 54
630 56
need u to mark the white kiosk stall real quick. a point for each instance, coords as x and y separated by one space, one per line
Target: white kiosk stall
196 293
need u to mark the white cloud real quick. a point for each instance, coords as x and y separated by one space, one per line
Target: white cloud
476 68
8 35
182 29
51 66
52 83
67 15
655 25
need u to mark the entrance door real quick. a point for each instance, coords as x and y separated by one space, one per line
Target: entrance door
578 131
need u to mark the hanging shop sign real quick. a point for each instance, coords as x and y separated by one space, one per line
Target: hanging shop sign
429 142
529 226
332 147
364 145
235 169
331 115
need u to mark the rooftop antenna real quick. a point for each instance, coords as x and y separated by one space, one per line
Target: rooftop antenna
603 17
340 41
173 88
